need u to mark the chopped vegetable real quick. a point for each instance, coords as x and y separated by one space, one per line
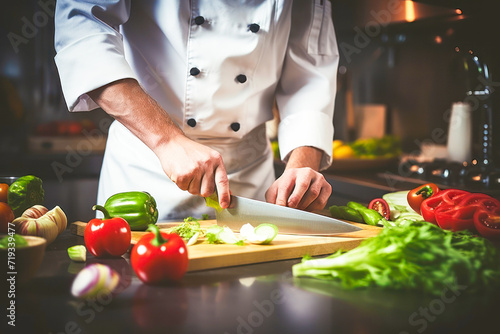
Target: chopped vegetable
459 216
159 257
419 194
414 256
268 230
370 216
222 235
25 192
262 234
94 280
77 253
188 229
138 208
487 223
13 241
108 236
213 234
448 197
213 202
227 236
381 206
47 225
398 203
193 239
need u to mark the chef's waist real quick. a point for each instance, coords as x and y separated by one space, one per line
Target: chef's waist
257 134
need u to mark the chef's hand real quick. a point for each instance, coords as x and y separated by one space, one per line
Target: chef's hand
301 186
195 168
192 166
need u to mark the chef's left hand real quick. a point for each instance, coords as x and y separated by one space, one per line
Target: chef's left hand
301 186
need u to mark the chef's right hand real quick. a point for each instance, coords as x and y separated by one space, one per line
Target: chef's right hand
196 168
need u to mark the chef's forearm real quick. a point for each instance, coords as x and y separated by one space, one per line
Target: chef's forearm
305 156
129 104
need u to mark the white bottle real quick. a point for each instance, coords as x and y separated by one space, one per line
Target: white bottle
460 133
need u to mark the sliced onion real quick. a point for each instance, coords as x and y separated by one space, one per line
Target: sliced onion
93 280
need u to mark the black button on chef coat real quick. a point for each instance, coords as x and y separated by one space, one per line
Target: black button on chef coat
191 122
241 78
235 126
254 27
199 20
194 71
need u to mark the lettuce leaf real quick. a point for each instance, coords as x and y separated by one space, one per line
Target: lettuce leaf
414 256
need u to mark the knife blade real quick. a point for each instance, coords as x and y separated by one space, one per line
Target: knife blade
288 220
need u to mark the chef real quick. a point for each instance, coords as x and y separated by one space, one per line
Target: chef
191 84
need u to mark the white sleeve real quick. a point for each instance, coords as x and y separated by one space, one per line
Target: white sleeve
307 88
89 48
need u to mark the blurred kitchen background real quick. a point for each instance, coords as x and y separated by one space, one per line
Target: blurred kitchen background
402 66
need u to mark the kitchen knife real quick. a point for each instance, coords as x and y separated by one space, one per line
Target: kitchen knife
289 221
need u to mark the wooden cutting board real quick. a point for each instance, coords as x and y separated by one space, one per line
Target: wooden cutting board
203 255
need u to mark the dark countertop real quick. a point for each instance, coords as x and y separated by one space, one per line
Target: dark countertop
260 298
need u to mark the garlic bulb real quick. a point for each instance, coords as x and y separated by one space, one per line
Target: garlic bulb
48 225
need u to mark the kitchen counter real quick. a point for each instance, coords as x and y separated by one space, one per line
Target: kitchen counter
260 298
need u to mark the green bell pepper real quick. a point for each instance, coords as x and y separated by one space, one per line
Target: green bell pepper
25 192
138 208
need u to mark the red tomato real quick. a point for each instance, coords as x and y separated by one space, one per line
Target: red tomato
416 196
4 191
447 197
487 223
6 217
159 257
381 206
108 236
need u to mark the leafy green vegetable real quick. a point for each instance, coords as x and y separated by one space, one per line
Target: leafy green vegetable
187 229
25 192
223 235
412 256
205 216
387 146
14 240
213 234
213 202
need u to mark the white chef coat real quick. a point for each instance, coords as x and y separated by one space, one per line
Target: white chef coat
216 68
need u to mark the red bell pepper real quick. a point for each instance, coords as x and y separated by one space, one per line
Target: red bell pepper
460 216
159 257
444 197
416 196
455 217
487 222
108 236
